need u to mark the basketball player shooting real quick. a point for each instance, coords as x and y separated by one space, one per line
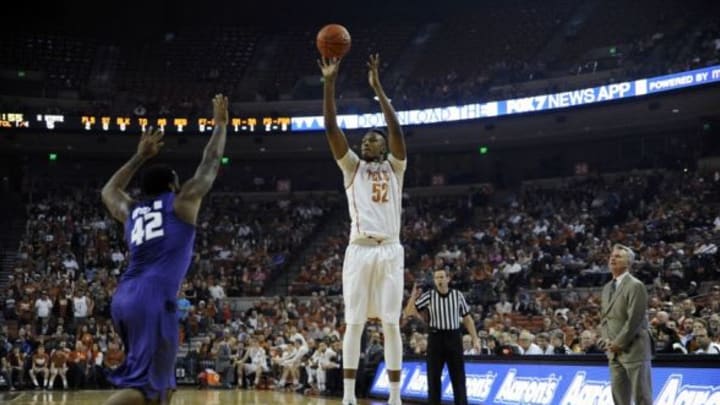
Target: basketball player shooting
160 232
374 259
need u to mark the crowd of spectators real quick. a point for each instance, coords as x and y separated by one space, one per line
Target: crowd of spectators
559 235
278 343
59 344
240 244
72 253
530 264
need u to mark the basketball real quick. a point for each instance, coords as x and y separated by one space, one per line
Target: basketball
333 41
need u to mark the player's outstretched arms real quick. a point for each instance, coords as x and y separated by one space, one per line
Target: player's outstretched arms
396 139
187 203
336 137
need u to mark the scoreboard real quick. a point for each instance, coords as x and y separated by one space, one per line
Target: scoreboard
172 125
13 120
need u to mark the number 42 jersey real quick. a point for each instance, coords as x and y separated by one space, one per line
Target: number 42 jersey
160 243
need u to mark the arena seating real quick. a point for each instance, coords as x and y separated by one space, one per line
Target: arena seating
178 71
530 261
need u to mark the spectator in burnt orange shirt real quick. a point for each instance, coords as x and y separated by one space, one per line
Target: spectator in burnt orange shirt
58 365
40 363
77 365
114 356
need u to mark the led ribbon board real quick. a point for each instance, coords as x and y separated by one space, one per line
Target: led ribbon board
558 384
544 102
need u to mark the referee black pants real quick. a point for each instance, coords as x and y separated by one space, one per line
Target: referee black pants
445 347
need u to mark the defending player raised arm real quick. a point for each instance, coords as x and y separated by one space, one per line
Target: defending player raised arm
187 203
396 139
336 137
113 194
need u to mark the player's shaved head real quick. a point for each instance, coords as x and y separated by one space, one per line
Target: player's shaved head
158 179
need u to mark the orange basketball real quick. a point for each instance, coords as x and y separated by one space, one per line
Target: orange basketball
333 41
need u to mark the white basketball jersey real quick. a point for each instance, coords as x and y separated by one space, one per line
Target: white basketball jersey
374 193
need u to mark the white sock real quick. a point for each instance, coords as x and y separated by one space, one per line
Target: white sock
349 391
394 393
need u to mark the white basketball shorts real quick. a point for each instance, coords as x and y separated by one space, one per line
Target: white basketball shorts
373 282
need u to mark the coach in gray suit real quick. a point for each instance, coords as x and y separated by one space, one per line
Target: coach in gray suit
625 331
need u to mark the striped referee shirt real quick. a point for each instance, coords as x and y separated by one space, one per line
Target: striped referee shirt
446 311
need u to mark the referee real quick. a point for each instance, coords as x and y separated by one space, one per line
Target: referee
445 307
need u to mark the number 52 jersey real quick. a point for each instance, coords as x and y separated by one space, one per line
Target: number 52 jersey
160 243
374 193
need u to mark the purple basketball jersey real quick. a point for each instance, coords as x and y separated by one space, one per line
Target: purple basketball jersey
144 305
160 243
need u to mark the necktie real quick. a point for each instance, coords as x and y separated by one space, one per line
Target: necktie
612 289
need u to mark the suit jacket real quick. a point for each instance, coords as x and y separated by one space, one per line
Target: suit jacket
624 320
223 359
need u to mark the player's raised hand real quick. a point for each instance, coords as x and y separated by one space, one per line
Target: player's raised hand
150 143
220 109
415 292
329 67
373 65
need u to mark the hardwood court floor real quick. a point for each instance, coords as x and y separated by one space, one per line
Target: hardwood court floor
181 397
